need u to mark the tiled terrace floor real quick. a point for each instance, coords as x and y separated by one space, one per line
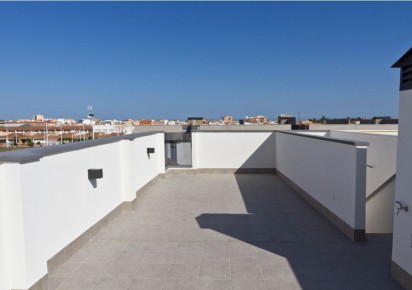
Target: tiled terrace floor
226 232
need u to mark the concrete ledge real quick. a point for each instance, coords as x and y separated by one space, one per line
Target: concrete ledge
401 276
173 171
357 235
328 139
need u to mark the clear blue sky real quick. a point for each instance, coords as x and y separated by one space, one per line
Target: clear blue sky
173 60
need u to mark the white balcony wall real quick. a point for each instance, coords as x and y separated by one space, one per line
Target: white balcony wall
329 127
380 181
50 202
145 166
332 173
402 228
234 150
381 156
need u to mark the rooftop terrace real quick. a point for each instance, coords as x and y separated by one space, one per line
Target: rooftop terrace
224 231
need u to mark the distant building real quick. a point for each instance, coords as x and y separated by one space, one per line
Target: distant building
88 121
159 122
256 120
284 119
131 122
195 120
384 120
38 118
227 119
146 122
66 121
341 121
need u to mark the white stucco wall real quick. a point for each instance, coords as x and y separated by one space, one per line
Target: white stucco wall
143 167
327 127
402 230
382 157
233 149
379 209
13 221
5 255
51 202
332 173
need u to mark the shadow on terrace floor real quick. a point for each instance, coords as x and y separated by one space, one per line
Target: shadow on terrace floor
296 247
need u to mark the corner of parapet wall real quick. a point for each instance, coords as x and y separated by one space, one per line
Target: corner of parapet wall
401 276
357 235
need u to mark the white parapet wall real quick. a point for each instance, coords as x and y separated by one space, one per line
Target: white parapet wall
331 172
47 200
402 229
233 149
360 127
380 177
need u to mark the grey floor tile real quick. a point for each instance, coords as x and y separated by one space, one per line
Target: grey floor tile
189 258
123 271
112 284
65 270
183 271
246 272
279 272
216 247
77 283
163 246
189 246
268 258
136 257
249 285
214 285
91 245
102 256
113 245
151 271
179 284
243 228
158 257
79 257
245 259
147 284
281 285
90 270
214 272
210 258
54 282
239 248
137 246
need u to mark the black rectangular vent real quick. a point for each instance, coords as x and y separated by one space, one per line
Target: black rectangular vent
95 173
150 150
406 78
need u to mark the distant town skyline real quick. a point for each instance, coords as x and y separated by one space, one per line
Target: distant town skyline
162 60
